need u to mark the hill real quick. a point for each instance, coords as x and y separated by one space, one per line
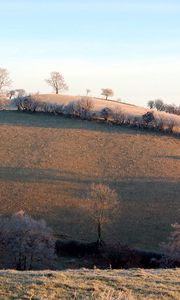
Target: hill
48 164
91 284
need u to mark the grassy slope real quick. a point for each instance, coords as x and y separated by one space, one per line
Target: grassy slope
99 103
47 164
151 284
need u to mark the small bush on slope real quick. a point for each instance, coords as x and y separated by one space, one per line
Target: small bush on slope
81 108
106 113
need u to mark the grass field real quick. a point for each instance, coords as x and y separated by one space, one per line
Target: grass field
48 163
91 284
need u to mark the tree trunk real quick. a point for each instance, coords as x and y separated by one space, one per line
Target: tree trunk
99 233
57 91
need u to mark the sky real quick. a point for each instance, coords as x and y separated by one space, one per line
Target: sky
132 47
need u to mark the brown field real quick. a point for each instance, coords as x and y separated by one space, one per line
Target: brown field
83 284
48 163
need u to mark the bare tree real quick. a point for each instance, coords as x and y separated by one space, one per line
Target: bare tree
25 243
5 80
103 203
56 81
107 93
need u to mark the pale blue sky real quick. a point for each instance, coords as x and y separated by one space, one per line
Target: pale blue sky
132 47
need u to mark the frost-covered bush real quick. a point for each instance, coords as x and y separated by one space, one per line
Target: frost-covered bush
81 108
106 113
52 108
25 103
84 107
25 243
118 116
70 109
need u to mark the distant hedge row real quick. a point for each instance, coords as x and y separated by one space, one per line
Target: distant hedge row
84 109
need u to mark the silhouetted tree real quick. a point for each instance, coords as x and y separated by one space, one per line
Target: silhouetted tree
159 104
17 93
151 104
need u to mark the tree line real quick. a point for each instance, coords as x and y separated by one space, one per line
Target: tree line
161 106
56 81
58 84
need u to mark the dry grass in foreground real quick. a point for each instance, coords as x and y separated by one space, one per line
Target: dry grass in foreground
91 285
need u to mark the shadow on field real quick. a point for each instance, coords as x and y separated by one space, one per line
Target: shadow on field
35 175
38 175
148 205
172 157
43 120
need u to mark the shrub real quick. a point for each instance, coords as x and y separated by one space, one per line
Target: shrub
25 103
76 248
148 118
25 243
106 113
159 123
70 109
118 116
84 107
122 256
52 108
81 108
